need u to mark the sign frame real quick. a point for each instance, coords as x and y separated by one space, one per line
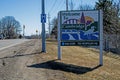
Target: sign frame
100 23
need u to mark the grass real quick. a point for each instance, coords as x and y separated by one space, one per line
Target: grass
80 63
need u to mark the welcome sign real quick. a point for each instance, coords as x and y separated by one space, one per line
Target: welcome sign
76 28
79 28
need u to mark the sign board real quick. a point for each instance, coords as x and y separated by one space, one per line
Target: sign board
79 28
43 18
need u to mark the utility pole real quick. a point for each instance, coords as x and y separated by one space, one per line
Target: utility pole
66 5
43 20
23 31
49 23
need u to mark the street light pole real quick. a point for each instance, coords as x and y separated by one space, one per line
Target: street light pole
23 31
43 28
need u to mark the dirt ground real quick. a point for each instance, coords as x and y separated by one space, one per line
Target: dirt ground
15 63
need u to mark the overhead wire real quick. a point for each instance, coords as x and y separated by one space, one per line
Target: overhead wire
60 6
55 1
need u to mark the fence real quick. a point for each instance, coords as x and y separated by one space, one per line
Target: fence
112 43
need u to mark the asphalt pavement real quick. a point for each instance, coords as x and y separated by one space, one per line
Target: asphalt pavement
10 42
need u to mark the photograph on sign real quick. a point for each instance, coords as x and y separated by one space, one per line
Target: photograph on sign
79 28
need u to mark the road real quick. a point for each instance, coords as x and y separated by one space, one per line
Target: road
11 42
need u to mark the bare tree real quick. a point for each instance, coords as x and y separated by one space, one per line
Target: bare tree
10 28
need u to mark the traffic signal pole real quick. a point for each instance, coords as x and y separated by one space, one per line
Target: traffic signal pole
43 29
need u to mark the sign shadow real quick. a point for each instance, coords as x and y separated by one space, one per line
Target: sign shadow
53 65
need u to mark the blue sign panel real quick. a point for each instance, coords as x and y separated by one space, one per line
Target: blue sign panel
72 34
43 18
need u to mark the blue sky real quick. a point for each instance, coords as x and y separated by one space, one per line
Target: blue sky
27 12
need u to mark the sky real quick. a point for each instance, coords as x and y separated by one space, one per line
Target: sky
28 12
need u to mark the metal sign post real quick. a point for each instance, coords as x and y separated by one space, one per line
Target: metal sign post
59 41
43 20
101 38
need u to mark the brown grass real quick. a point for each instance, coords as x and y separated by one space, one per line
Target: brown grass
79 63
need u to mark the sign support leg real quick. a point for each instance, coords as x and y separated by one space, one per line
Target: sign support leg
101 38
59 51
59 41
